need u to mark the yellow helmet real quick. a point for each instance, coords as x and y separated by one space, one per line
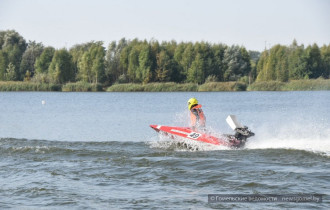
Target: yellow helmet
191 102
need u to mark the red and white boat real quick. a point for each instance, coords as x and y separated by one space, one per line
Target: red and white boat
237 140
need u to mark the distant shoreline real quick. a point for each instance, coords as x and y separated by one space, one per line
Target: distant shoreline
294 85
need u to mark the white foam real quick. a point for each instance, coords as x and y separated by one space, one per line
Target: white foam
289 133
312 138
182 144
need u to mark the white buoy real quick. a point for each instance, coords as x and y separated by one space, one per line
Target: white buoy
43 102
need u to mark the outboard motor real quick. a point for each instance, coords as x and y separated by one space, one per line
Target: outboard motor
241 132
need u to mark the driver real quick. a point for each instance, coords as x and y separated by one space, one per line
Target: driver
197 117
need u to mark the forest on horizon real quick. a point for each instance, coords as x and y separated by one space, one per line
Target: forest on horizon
142 61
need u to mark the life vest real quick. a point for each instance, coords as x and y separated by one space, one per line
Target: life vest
197 117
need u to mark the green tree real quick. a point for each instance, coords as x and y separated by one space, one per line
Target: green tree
27 76
10 74
170 47
178 73
133 63
164 68
218 54
184 56
91 66
29 57
314 64
246 60
144 71
155 48
273 65
209 62
165 60
255 56
77 52
187 58
281 68
13 45
195 72
297 62
98 69
3 64
124 58
113 65
261 66
325 55
61 68
236 63
42 63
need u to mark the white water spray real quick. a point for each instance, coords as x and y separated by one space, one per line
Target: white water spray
311 138
182 144
290 135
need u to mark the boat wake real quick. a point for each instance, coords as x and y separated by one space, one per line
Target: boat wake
316 139
287 137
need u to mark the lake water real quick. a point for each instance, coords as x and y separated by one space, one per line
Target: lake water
97 151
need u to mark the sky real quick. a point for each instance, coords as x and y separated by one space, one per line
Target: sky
254 24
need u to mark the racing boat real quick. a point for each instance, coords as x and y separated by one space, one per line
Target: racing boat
238 140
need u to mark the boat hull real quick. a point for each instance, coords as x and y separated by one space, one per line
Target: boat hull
188 133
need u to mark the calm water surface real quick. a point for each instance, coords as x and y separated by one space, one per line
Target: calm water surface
96 150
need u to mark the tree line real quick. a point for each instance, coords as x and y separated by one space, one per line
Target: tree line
294 62
138 61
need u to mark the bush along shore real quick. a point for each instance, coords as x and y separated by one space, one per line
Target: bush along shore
175 87
294 85
28 86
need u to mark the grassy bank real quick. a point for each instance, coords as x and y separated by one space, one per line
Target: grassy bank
81 87
174 87
33 86
222 86
28 86
294 85
153 87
